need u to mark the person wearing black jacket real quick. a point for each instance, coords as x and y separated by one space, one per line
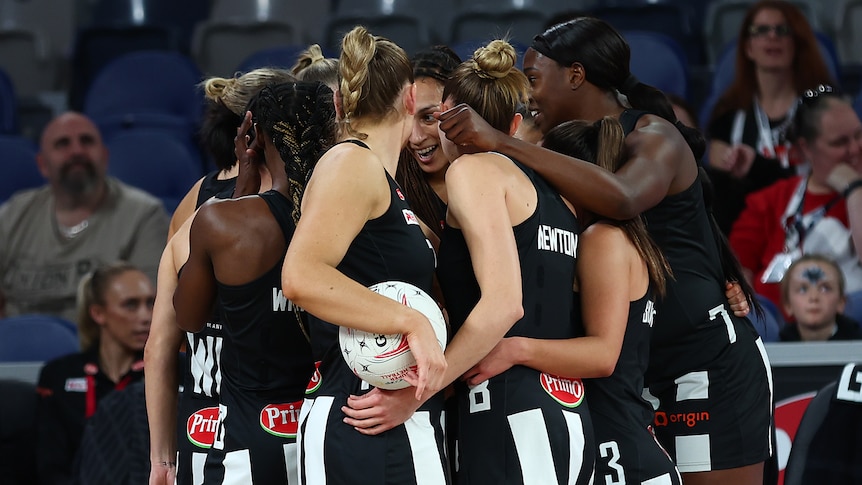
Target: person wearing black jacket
115 308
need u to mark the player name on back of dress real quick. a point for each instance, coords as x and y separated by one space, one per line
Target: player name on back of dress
557 240
280 303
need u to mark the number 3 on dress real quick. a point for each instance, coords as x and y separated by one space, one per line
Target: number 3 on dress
480 398
719 310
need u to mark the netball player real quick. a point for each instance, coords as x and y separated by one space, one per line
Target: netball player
705 362
621 273
357 230
422 169
179 441
236 251
507 264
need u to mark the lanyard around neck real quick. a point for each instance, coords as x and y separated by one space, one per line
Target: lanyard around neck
797 224
770 138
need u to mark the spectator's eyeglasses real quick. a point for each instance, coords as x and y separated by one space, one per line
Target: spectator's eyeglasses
762 30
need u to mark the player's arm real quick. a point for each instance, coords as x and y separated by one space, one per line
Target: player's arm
185 209
161 385
477 204
348 188
646 178
195 294
604 277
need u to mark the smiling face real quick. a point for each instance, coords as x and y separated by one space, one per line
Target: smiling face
839 141
770 43
424 141
551 93
127 311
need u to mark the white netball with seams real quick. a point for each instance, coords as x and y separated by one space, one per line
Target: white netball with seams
383 360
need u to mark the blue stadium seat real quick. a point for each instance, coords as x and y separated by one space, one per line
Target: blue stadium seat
853 306
857 104
146 82
667 17
772 322
283 56
658 60
96 47
154 161
148 90
36 338
18 166
8 105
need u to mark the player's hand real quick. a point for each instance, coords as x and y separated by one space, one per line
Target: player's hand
430 362
380 410
736 298
499 360
249 155
163 474
466 128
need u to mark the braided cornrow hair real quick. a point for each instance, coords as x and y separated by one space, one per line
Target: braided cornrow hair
300 119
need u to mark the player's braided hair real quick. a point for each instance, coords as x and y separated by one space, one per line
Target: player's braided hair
300 119
373 72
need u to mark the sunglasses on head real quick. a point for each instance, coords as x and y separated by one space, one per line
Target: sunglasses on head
821 89
762 30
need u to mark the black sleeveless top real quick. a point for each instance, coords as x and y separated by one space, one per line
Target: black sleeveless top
618 397
211 186
680 226
547 245
266 349
390 247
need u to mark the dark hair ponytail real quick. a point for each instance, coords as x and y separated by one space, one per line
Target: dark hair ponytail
605 55
730 266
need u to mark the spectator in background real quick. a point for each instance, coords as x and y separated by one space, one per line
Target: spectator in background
777 59
52 236
115 306
816 213
812 292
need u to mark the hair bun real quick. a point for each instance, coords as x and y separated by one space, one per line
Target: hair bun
495 60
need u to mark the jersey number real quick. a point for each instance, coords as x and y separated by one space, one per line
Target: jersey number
205 367
480 398
719 310
611 451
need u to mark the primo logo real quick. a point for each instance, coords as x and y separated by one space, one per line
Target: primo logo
279 302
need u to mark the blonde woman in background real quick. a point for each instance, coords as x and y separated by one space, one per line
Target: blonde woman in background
115 307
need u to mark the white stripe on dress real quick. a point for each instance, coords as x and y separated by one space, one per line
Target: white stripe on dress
427 462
